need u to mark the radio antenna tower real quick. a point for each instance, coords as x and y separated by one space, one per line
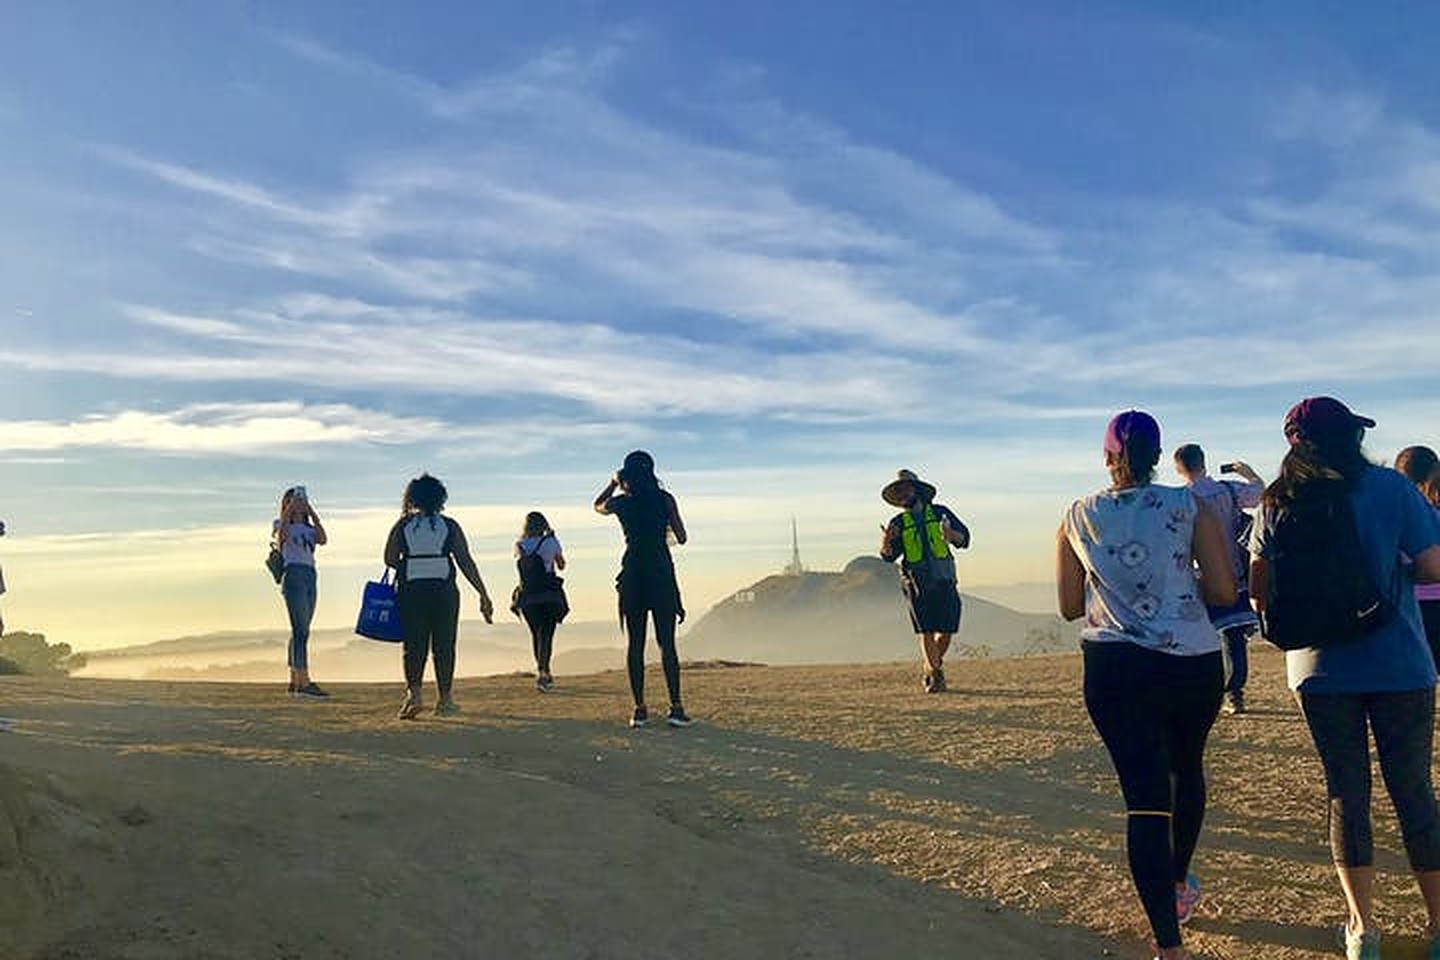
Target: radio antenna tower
794 568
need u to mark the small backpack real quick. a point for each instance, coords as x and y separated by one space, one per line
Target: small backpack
531 567
1320 591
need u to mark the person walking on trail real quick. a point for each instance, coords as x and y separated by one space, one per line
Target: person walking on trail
921 537
1421 467
1368 665
646 585
1228 501
426 548
296 533
1126 561
540 596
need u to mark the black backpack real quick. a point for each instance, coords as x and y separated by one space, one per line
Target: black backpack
531 567
1320 591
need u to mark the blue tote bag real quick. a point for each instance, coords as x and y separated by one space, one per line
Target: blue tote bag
379 612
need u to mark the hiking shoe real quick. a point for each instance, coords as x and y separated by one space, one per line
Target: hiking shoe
639 718
1362 946
1234 703
412 706
678 717
311 690
447 707
1187 898
937 684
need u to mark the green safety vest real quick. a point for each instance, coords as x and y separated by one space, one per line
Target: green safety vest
910 536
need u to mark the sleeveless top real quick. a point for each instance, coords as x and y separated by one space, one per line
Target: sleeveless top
1141 585
427 554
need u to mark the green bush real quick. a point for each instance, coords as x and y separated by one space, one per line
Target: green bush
30 653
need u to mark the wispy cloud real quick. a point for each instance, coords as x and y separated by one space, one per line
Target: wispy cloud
211 429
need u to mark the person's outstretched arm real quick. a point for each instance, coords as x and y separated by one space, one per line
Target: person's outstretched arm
460 550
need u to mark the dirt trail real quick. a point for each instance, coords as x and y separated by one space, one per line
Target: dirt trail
812 812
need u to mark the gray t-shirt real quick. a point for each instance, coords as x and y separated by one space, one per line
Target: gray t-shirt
1140 582
1393 519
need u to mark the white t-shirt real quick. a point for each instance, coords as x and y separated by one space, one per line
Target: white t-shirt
1140 584
549 549
298 547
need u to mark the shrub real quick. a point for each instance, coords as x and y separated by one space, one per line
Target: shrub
30 653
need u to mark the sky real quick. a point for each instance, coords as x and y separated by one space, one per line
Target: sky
788 248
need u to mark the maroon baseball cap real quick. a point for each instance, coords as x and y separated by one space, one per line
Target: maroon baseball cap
1135 424
1320 415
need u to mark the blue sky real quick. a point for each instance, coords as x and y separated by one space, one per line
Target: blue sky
787 247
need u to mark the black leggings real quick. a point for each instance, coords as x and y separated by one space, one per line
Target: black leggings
1154 711
1404 728
430 617
635 655
542 620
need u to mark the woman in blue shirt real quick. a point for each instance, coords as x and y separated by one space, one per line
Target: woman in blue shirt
1384 680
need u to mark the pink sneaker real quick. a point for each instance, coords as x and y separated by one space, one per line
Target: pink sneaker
1187 898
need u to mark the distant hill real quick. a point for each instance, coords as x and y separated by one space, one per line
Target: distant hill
338 654
854 616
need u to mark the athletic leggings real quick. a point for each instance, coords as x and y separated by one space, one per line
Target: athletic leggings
430 617
1404 728
1154 711
635 655
541 618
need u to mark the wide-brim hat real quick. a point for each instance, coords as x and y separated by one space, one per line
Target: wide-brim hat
891 493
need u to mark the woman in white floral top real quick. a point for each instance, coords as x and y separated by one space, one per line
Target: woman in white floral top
1126 560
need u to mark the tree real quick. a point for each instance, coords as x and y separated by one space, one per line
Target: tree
22 652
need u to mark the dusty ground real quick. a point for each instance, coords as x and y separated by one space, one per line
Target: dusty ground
811 812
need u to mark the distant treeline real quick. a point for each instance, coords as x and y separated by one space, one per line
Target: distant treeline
30 653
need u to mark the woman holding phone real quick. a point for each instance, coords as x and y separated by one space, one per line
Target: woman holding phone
649 516
297 532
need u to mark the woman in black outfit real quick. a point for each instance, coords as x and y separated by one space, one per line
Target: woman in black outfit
646 583
426 548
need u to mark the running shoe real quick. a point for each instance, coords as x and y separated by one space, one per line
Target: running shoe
928 682
639 718
1234 704
447 707
1187 898
1362 946
412 706
678 717
937 685
544 683
311 690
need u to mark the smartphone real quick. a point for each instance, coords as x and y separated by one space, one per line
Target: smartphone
1227 468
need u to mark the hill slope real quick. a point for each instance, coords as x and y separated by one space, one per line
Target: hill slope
855 616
